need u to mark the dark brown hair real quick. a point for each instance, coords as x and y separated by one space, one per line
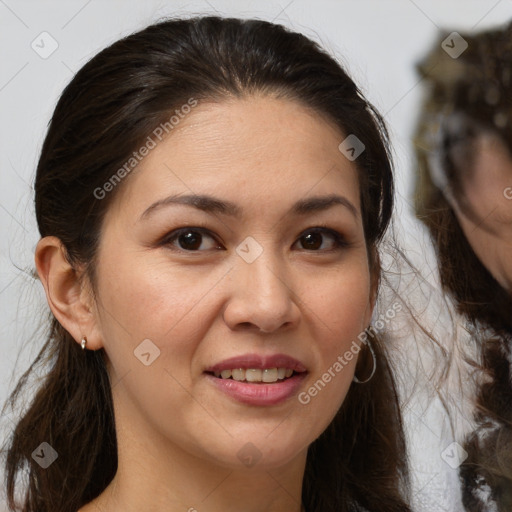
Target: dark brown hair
468 97
110 107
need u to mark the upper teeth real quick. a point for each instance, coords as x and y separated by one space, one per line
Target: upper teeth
255 374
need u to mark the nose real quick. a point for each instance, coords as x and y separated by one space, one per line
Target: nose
262 297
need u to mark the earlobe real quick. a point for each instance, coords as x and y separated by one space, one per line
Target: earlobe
69 302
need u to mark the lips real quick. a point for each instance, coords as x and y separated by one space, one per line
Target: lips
251 378
255 361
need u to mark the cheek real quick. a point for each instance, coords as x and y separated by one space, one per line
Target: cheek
481 197
145 298
343 301
152 300
340 311
486 197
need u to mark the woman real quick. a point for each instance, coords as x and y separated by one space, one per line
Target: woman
464 192
211 195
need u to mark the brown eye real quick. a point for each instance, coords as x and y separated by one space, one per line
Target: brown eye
312 241
191 239
315 239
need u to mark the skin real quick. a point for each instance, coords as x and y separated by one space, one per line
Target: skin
488 190
178 436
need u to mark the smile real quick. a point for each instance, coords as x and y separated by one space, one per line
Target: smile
267 375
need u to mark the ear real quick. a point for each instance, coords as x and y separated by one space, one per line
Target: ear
68 292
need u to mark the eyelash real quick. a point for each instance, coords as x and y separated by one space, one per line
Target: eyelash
340 241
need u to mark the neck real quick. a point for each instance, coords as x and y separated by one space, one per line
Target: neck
202 489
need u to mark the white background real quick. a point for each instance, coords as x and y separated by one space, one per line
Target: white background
379 41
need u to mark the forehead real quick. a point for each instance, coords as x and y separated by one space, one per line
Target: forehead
258 150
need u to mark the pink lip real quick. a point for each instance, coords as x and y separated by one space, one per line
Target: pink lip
258 362
259 393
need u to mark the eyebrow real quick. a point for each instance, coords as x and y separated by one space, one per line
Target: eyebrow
214 205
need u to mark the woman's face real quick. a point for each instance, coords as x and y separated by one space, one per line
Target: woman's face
488 192
237 245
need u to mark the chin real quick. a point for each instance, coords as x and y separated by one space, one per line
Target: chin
258 454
